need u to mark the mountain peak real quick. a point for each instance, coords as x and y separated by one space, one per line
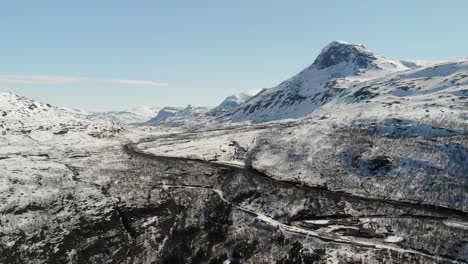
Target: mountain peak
338 43
343 52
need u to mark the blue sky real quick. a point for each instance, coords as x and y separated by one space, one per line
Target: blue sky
103 55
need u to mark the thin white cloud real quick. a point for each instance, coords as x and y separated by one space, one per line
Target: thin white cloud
138 82
39 79
62 80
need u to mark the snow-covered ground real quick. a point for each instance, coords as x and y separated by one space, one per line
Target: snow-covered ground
53 178
223 146
420 160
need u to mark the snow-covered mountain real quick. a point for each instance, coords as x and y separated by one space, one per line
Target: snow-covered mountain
194 115
14 107
235 100
131 116
36 120
344 77
337 67
177 116
22 116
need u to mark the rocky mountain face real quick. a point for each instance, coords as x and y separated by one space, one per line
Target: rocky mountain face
355 59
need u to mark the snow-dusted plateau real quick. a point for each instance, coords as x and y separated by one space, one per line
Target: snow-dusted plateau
356 159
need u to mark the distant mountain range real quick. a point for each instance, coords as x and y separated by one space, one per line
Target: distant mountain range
344 76
130 116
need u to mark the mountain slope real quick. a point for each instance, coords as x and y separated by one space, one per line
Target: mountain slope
14 107
21 117
227 106
438 89
235 100
337 67
177 116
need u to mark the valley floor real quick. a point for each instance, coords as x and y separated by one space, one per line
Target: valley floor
177 196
